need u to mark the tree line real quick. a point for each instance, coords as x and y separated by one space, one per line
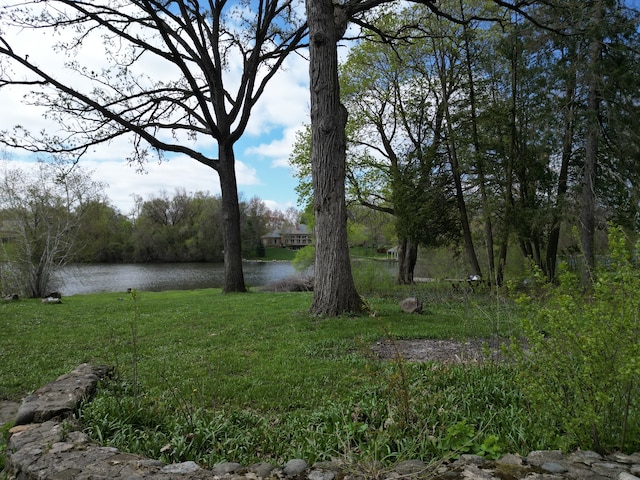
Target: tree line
494 134
55 214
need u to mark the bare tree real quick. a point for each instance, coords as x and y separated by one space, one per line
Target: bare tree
216 59
40 212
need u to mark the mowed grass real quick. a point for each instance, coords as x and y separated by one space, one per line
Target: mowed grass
212 355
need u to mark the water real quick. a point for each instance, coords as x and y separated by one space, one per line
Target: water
96 278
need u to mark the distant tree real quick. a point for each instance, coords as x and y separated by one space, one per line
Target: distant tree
104 235
201 97
178 229
41 211
254 225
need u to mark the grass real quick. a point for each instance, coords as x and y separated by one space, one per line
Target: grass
250 377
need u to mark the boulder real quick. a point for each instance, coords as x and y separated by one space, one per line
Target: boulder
411 305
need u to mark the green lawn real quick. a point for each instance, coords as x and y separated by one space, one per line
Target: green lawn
213 362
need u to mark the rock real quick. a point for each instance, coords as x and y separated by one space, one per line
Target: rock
321 475
553 467
61 397
262 469
627 476
472 472
294 467
538 457
409 467
510 459
587 457
411 305
225 467
181 468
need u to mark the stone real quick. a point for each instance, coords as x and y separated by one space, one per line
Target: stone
225 467
294 467
262 469
588 457
472 472
627 476
321 475
553 467
181 468
411 305
61 397
510 459
409 467
538 457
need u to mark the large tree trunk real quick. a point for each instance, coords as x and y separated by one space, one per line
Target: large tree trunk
407 258
232 242
334 290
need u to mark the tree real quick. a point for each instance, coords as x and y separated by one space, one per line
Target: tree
41 211
198 48
397 153
104 235
334 291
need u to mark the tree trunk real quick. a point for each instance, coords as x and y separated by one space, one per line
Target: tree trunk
407 258
231 238
587 214
567 144
462 206
334 290
475 140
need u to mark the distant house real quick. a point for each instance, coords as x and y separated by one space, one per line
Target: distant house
290 236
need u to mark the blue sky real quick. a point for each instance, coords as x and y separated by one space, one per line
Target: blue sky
261 155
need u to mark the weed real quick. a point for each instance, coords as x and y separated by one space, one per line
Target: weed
581 361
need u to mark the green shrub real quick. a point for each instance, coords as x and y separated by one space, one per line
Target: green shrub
581 363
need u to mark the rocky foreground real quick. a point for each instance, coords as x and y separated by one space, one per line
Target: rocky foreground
45 444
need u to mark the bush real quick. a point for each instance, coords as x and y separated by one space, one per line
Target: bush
582 360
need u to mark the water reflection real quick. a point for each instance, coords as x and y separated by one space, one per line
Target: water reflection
96 278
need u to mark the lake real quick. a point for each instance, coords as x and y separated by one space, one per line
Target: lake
95 278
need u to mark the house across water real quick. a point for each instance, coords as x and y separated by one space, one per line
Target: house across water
289 236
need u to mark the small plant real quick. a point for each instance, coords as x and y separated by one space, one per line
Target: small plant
462 438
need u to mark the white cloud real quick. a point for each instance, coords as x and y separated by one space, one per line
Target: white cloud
278 150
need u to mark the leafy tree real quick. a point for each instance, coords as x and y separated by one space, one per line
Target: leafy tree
185 227
198 47
104 235
41 211
398 156
334 292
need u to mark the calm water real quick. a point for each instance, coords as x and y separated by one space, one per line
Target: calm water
95 278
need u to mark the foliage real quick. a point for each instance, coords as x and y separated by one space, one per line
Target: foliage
581 357
304 258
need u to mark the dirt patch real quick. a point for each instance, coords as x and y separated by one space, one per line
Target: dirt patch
441 351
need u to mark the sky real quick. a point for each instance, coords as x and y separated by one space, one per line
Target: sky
261 154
